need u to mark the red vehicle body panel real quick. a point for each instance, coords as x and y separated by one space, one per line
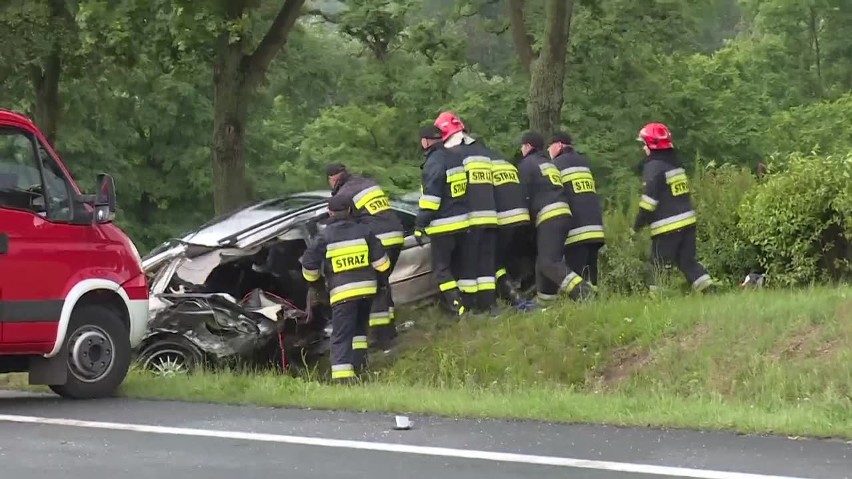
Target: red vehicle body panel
45 260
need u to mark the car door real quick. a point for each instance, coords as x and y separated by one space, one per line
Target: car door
43 253
411 279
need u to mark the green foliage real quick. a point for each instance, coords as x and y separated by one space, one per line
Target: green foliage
799 219
722 247
819 127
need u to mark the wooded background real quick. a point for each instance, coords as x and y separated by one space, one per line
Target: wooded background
198 107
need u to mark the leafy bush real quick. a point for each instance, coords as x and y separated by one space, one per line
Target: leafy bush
799 219
722 247
623 261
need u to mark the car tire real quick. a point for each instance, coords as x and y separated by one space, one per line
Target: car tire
98 347
169 356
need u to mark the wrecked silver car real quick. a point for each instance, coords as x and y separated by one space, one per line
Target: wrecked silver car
232 291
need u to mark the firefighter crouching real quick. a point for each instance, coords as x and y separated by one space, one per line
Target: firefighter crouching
479 290
543 190
348 255
666 207
443 216
586 236
372 207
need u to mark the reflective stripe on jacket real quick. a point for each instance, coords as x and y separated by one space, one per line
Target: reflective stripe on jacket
666 204
581 195
542 187
443 205
372 206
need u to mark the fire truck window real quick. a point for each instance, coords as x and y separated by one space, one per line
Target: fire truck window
20 178
57 189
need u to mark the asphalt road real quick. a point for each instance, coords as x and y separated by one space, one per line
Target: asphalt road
43 437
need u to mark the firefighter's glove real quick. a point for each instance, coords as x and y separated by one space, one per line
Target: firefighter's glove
419 234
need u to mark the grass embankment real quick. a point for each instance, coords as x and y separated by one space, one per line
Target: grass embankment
761 361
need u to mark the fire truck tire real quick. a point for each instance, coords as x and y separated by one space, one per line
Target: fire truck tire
98 353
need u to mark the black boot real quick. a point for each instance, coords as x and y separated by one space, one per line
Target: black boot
452 302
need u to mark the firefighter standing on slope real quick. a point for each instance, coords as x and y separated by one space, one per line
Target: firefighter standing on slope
513 220
479 290
666 208
348 255
372 207
586 236
543 190
443 216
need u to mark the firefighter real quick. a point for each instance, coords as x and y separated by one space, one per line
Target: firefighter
513 221
666 208
443 215
542 188
372 207
348 255
586 236
479 290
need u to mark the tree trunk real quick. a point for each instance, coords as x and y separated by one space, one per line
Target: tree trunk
547 72
230 98
46 85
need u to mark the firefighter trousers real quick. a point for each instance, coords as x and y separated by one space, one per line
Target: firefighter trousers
551 272
382 324
483 246
349 321
582 258
451 263
506 243
677 248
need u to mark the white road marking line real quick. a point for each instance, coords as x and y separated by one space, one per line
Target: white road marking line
399 448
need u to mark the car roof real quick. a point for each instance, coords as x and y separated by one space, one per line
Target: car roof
214 231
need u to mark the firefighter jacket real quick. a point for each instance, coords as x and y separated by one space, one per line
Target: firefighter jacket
476 159
372 207
509 195
665 205
542 187
443 205
348 255
587 221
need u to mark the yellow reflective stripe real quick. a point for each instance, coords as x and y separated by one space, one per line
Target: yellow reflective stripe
561 211
448 285
676 178
447 225
513 219
382 264
359 342
585 233
672 223
352 293
310 274
500 272
342 371
675 225
363 200
456 177
393 238
571 281
576 176
380 319
346 250
429 202
485 283
468 285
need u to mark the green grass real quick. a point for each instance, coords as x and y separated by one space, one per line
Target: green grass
755 362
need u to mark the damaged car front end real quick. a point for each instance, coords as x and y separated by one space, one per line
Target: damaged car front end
231 294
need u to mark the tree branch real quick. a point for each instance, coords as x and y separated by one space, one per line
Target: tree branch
274 40
557 29
520 37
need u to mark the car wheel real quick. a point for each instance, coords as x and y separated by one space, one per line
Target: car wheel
98 348
170 357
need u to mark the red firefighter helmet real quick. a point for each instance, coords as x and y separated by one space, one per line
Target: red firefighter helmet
656 136
449 124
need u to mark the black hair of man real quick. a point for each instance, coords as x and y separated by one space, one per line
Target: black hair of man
562 137
534 139
334 168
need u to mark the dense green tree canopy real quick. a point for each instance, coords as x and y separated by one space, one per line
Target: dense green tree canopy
196 107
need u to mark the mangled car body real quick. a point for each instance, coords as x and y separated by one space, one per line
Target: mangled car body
232 291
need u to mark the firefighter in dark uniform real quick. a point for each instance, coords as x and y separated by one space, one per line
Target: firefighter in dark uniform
586 236
513 220
372 207
666 208
543 190
349 256
443 216
477 162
